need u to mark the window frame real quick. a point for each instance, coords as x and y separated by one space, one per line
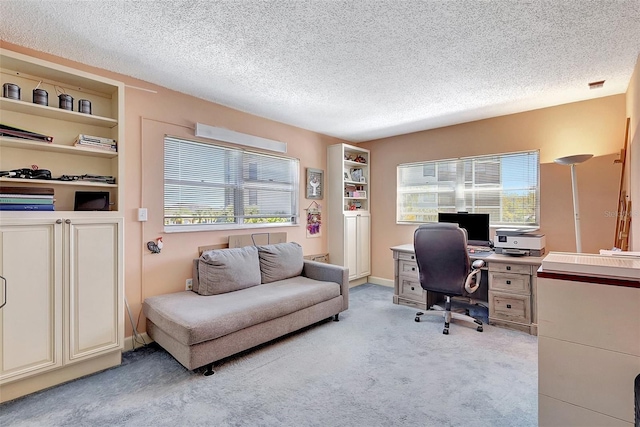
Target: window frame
433 180
240 189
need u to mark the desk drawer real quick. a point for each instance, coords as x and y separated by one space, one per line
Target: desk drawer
408 269
510 307
518 283
411 289
407 256
505 267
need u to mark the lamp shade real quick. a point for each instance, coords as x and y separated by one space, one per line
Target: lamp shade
573 160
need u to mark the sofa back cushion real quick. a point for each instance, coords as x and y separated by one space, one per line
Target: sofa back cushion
226 270
280 261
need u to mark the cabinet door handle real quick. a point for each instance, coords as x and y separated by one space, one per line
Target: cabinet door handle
508 267
508 305
508 282
4 291
67 221
58 221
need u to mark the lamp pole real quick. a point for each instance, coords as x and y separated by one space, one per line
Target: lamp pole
573 161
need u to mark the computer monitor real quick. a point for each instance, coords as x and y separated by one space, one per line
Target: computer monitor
476 224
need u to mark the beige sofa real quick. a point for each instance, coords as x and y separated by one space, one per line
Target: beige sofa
244 297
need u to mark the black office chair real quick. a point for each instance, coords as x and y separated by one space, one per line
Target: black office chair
443 264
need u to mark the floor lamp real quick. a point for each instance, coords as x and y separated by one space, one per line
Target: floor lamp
573 161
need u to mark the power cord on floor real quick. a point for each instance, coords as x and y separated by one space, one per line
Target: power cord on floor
136 335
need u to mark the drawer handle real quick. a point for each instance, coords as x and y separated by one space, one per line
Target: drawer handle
413 269
413 257
508 305
508 282
508 267
412 288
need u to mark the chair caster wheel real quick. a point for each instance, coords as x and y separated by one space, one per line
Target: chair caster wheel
417 319
445 331
419 313
466 312
479 329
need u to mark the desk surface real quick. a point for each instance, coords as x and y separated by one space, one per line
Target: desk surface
528 260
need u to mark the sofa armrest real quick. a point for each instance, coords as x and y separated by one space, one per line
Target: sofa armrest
329 273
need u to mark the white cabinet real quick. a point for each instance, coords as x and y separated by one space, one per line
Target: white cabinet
64 293
31 320
64 315
349 222
93 290
357 247
588 347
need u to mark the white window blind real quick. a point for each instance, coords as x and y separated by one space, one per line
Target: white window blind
506 186
214 186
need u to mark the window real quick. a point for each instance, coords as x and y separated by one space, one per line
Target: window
210 187
506 186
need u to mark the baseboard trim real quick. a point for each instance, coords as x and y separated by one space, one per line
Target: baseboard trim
128 341
381 281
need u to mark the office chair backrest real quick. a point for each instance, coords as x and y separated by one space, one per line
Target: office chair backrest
443 261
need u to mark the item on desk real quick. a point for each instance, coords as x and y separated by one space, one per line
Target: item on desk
517 242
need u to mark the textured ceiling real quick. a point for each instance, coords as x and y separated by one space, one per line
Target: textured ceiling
357 70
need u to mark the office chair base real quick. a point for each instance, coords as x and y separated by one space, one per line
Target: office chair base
448 315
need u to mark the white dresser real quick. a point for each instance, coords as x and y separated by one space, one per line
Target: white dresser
588 342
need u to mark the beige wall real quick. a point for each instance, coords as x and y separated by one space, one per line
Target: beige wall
149 115
633 154
595 127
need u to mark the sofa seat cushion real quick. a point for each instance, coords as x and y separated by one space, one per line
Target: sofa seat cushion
191 318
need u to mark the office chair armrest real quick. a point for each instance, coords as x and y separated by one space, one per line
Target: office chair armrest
477 264
471 278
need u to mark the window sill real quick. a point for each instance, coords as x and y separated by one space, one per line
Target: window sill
207 228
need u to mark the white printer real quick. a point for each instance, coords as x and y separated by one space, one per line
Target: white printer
519 242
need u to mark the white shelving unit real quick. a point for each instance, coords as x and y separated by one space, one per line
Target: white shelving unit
64 270
348 193
61 157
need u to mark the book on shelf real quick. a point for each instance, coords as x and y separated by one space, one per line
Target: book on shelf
27 196
26 207
43 191
13 132
96 142
25 201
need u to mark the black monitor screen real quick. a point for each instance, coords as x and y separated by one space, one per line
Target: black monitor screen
476 224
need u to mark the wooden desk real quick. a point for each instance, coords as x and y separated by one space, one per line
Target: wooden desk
511 280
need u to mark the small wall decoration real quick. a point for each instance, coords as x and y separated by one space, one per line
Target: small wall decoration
315 183
314 220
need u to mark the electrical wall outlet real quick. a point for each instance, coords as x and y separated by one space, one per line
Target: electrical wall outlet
188 285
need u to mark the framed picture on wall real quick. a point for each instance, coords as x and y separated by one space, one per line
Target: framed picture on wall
315 183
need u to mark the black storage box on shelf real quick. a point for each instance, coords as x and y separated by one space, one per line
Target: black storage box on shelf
91 201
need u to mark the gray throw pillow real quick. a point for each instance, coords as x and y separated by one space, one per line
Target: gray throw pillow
226 270
280 261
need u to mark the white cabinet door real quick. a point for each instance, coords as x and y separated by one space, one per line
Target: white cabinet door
94 288
31 320
356 243
351 245
364 245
